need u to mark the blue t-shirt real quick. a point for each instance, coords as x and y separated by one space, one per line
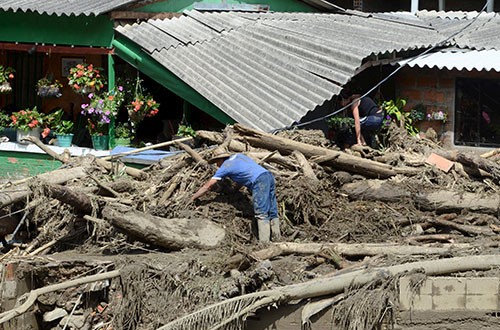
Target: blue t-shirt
241 169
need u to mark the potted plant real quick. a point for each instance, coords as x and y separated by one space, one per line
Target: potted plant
123 134
48 87
5 130
27 122
142 106
99 112
6 73
185 130
63 129
85 79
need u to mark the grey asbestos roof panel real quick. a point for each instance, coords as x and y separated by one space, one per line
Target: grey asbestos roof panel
64 7
268 70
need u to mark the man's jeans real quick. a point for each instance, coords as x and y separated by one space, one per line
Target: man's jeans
264 197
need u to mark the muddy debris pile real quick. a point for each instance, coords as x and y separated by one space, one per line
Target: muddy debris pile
99 245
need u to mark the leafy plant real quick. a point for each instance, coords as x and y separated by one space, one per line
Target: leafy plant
59 125
6 73
26 119
84 78
123 131
48 87
395 112
101 109
341 123
4 120
418 112
186 130
141 107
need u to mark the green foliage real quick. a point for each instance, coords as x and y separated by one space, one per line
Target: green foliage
340 123
4 119
27 119
123 131
395 112
186 130
6 73
84 78
56 123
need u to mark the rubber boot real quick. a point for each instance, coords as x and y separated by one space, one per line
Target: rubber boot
275 230
264 230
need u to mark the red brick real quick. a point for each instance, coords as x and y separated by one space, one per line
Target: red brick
424 81
413 95
440 162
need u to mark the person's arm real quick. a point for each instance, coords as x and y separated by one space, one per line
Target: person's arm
206 187
357 124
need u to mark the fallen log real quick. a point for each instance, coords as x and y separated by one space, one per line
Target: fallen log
337 159
34 294
477 162
173 234
305 166
343 249
100 161
464 229
441 201
210 317
17 193
78 200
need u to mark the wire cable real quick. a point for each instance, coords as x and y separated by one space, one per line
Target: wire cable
438 44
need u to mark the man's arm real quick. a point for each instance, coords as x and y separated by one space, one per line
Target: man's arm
206 187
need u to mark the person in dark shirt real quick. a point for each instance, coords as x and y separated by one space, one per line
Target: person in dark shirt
246 172
368 116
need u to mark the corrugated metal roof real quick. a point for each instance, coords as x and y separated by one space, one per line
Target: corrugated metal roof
459 59
64 7
268 70
481 29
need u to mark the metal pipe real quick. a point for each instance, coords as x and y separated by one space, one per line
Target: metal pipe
442 4
490 6
414 6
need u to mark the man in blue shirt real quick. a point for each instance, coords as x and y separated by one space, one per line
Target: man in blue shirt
246 172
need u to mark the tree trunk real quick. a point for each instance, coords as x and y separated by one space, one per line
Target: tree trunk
471 160
78 200
337 159
173 234
440 201
15 194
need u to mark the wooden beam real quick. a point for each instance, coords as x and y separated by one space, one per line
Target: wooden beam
56 49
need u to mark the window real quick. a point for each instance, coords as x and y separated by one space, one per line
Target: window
477 113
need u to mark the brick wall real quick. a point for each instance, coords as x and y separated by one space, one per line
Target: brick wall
435 90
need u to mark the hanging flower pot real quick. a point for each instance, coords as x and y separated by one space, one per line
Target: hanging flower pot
6 73
85 79
47 88
5 87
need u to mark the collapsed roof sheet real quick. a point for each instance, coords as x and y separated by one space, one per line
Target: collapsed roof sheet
268 70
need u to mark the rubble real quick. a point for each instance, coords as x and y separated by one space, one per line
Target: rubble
127 251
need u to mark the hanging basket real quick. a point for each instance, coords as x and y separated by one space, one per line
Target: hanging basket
5 87
49 91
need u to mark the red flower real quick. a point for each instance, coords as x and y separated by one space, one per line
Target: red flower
45 132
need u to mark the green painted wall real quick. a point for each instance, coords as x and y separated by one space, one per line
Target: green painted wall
275 5
62 30
16 165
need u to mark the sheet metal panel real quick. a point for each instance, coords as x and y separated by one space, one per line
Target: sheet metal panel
64 7
484 60
268 70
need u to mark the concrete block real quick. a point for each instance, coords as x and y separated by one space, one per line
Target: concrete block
9 290
420 303
448 302
448 286
482 302
480 286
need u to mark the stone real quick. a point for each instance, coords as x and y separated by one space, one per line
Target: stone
54 314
